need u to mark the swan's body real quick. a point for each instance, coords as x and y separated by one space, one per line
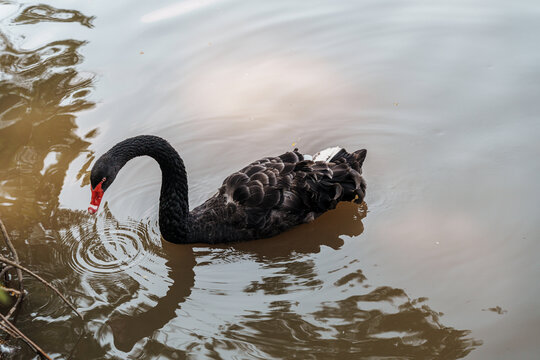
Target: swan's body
263 199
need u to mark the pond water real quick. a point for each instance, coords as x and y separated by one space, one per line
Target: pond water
440 262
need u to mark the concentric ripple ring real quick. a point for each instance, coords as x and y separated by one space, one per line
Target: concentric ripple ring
113 249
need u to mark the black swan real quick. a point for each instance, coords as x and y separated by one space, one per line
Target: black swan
263 199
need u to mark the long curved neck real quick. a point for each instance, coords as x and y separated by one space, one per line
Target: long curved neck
173 202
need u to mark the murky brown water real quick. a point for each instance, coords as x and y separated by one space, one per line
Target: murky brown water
441 261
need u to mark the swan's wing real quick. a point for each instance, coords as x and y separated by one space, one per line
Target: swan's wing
261 183
289 189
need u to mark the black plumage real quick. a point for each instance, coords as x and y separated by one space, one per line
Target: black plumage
261 200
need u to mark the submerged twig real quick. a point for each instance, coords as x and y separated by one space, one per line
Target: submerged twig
17 333
8 330
10 290
19 272
12 263
13 252
4 270
5 324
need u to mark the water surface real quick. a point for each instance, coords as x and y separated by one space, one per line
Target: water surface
440 262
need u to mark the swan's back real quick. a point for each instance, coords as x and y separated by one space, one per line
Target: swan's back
274 194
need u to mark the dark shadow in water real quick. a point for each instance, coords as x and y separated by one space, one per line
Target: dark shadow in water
128 329
359 326
327 230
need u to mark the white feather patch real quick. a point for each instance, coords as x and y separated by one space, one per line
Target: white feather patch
326 154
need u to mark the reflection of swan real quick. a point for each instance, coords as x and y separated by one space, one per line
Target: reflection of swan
262 200
128 329
346 219
381 323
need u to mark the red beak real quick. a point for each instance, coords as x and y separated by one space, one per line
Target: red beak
97 194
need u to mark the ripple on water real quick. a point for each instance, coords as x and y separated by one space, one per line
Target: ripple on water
109 247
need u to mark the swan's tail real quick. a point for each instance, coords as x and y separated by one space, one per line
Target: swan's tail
355 160
338 177
347 172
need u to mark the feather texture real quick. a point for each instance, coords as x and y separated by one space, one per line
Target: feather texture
274 194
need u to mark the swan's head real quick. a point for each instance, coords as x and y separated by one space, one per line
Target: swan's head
101 177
